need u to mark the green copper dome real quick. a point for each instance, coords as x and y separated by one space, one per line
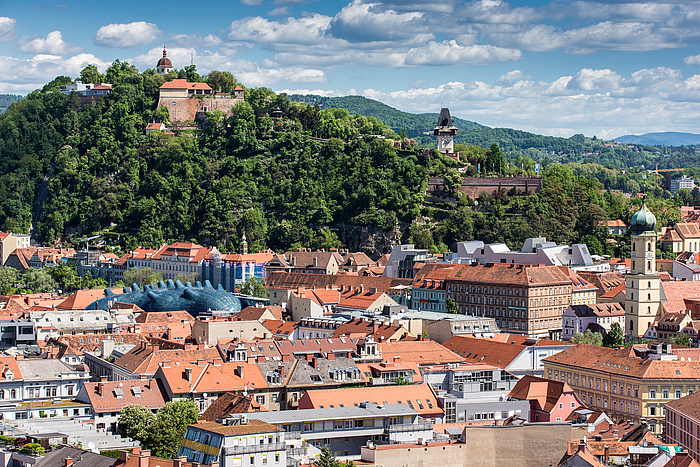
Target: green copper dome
643 220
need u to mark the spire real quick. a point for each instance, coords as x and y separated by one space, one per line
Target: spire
244 245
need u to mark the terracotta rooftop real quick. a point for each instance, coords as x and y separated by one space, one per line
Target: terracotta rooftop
253 426
418 396
598 309
82 298
511 274
687 229
677 292
603 281
291 281
184 84
229 403
474 350
252 313
624 362
423 352
546 392
112 396
146 358
366 328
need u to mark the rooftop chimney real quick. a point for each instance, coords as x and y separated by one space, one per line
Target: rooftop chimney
144 457
68 461
582 445
100 388
179 461
188 374
239 370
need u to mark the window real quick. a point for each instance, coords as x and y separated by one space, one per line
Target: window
652 411
664 393
652 393
678 393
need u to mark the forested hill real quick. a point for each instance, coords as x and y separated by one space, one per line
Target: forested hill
6 100
420 126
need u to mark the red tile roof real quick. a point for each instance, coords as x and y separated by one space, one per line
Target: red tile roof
146 359
291 281
421 398
82 298
184 84
424 352
229 403
545 391
112 396
510 274
687 229
490 352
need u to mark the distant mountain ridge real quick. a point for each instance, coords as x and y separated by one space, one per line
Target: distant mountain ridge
665 138
6 100
420 126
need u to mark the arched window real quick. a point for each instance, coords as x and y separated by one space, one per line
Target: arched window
648 246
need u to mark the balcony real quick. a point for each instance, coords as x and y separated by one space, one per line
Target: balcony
267 447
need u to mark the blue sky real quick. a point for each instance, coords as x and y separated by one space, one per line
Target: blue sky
603 68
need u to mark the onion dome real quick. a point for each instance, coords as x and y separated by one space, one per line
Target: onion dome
643 220
165 61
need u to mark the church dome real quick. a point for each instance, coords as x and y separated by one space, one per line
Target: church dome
165 61
643 220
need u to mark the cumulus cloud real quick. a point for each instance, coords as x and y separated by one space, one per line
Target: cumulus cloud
366 22
452 53
306 30
591 101
24 75
7 28
125 35
692 60
195 40
53 44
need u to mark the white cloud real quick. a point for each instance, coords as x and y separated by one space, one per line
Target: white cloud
496 12
593 102
194 40
452 53
25 75
126 35
7 28
366 22
306 30
692 60
251 2
280 11
53 44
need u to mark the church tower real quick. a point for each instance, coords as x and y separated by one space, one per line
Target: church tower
643 294
164 64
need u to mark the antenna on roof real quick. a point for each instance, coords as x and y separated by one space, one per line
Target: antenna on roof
192 56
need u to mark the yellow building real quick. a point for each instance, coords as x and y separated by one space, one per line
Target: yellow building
627 383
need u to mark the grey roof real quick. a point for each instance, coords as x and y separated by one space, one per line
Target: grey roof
44 369
336 413
80 458
453 430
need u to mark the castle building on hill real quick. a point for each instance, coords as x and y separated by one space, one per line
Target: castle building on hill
184 99
164 64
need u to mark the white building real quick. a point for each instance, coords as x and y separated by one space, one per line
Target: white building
596 317
680 183
534 251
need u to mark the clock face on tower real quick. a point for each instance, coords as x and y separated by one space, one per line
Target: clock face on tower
446 141
633 254
650 255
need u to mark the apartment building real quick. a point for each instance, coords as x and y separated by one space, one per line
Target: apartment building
628 383
523 300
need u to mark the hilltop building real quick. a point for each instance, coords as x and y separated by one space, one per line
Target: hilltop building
184 99
445 132
164 64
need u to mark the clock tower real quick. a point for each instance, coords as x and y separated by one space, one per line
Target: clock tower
445 132
643 284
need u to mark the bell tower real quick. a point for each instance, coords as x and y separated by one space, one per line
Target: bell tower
643 284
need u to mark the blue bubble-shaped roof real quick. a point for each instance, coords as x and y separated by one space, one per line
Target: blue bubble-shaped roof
172 296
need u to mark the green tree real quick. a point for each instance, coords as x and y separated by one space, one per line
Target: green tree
680 339
402 381
589 337
451 306
615 337
326 459
9 277
38 281
65 276
254 286
163 436
452 180
142 276
134 420
90 74
188 277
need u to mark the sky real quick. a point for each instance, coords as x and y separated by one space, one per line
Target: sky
605 68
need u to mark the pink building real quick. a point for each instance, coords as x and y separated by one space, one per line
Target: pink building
550 401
